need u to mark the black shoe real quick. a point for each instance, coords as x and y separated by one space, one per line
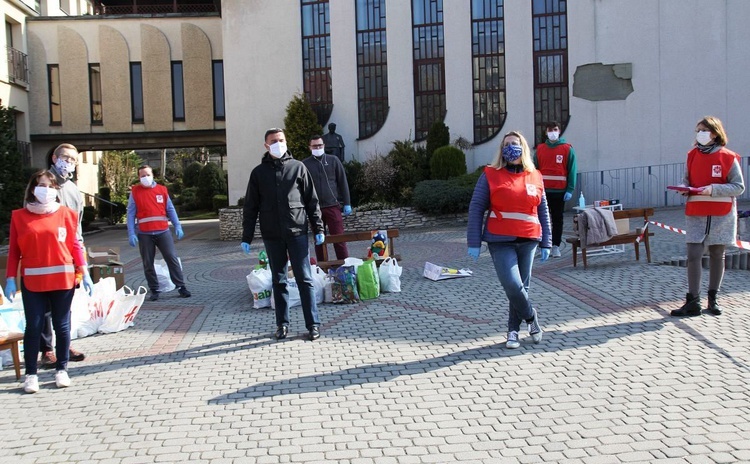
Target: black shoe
184 293
314 333
713 306
154 296
691 308
75 355
281 332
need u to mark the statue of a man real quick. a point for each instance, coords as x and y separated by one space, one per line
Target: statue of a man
334 143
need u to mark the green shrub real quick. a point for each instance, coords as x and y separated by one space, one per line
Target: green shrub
189 199
447 162
300 123
191 174
89 214
220 201
438 136
174 188
379 179
442 196
357 190
105 209
211 182
241 201
411 164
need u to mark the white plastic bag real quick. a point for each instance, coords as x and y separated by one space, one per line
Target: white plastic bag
319 283
293 290
162 274
79 311
125 308
390 275
100 304
260 281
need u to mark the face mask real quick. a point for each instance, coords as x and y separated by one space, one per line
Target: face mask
553 136
318 152
64 167
45 195
147 181
512 152
277 150
703 137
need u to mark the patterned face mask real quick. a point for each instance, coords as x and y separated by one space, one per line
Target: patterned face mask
512 152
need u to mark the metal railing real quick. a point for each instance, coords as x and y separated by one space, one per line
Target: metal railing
18 66
157 9
641 187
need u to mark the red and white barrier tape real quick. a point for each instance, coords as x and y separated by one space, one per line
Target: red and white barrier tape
739 243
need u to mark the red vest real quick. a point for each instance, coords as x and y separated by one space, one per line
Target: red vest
706 169
151 207
45 242
553 164
514 198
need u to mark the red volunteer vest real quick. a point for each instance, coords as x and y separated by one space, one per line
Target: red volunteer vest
553 164
706 169
151 207
514 198
45 244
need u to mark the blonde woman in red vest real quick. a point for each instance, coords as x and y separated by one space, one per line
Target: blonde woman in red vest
711 214
43 238
510 194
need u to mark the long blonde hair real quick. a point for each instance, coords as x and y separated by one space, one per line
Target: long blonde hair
526 161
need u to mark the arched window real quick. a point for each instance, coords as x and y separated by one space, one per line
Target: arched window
429 65
551 100
316 57
488 68
372 66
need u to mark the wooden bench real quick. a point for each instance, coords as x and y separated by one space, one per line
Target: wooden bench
10 342
628 237
365 236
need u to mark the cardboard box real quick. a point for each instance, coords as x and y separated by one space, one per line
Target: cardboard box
623 225
103 255
101 271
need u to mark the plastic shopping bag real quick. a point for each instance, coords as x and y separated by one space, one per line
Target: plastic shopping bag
100 304
260 282
162 274
294 299
390 275
368 282
125 308
79 311
319 283
344 286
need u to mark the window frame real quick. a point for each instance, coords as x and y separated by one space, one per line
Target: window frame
316 57
92 100
372 66
216 87
428 66
178 94
54 86
133 96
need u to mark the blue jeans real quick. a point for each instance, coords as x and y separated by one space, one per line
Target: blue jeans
299 255
513 261
35 304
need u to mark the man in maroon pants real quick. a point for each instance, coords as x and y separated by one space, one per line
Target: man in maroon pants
332 188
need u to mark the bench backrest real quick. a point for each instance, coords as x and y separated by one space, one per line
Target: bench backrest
357 236
644 213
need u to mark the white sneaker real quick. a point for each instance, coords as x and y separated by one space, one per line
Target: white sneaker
535 330
61 379
555 251
512 342
31 385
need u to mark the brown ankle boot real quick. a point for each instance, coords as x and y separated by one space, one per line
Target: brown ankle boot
692 307
713 306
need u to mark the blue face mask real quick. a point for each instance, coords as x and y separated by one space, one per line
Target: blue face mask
512 152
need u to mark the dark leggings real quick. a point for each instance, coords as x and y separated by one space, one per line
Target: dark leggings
694 267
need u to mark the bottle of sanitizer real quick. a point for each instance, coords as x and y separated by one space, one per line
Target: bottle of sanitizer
581 201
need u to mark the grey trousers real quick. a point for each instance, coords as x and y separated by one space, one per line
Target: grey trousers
147 245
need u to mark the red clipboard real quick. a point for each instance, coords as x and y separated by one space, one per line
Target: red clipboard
682 188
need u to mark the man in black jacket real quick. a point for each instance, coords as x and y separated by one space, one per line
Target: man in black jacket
329 178
281 191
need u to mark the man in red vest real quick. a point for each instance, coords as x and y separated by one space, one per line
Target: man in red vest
556 160
149 202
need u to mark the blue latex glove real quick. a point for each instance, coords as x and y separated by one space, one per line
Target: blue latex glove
88 285
347 210
245 247
474 253
133 240
545 254
179 233
567 196
319 239
10 288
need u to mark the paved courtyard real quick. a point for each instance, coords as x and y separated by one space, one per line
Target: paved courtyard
420 376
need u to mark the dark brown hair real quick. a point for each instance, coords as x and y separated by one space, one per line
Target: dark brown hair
34 181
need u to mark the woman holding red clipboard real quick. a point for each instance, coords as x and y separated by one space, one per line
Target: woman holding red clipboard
714 177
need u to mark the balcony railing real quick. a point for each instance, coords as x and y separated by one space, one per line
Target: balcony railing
24 148
18 66
156 9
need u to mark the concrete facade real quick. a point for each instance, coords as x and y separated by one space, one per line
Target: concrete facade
670 45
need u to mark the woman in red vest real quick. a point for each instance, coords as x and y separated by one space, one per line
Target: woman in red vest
43 239
511 189
711 215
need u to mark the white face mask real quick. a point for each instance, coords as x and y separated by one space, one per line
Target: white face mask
277 150
147 181
553 136
703 137
45 195
318 152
